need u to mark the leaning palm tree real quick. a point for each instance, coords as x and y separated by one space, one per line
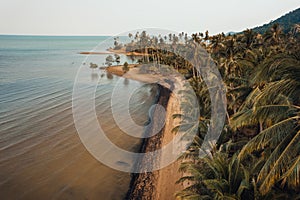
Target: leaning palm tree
277 143
274 107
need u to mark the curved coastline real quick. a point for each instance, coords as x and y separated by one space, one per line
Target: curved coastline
160 184
143 185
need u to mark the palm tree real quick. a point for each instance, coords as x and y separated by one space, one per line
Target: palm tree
295 30
274 106
261 160
249 37
274 35
215 177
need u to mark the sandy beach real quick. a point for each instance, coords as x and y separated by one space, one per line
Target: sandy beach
124 52
118 69
134 74
114 51
166 186
159 184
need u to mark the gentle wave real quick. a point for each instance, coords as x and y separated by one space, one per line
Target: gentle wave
41 155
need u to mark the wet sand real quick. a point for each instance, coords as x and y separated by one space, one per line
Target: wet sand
166 186
114 51
118 69
161 184
134 74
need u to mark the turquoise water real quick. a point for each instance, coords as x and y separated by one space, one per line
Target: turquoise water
41 155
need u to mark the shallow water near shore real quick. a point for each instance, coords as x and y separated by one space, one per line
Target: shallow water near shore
41 155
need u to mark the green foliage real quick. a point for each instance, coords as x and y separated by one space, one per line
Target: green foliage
109 60
93 66
117 58
216 176
258 153
125 67
287 21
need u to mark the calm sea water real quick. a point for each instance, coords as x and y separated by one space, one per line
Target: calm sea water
41 155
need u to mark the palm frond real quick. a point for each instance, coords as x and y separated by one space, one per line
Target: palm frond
279 161
269 137
292 175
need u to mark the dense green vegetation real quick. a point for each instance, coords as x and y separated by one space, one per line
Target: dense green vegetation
258 156
258 153
287 22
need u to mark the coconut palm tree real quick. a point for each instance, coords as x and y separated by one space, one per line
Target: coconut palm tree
262 74
215 177
274 35
274 105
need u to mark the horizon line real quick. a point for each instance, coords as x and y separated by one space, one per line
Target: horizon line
56 35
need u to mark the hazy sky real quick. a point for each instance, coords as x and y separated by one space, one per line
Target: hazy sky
110 17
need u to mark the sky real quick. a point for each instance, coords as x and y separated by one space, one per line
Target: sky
112 17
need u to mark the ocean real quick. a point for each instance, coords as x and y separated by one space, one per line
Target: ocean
41 154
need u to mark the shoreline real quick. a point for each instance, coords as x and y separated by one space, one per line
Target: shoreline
114 51
124 52
134 74
160 184
118 69
144 185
